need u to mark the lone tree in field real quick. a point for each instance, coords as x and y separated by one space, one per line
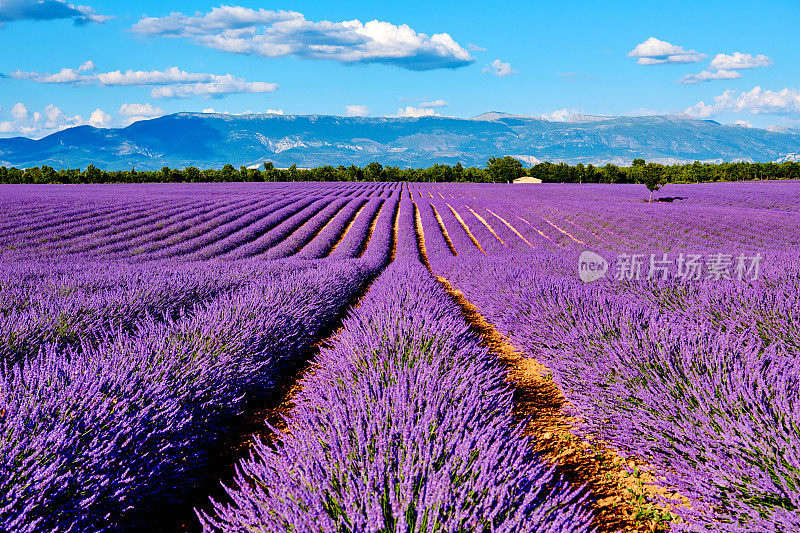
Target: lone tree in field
648 174
504 169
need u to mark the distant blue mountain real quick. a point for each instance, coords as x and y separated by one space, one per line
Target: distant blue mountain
212 140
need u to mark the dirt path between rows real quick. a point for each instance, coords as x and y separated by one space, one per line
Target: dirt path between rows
623 493
622 500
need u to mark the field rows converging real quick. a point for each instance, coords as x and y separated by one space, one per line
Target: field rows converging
399 357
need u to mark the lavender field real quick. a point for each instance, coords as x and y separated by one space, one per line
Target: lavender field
410 357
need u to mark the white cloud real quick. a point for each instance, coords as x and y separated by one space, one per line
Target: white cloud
756 101
700 110
100 118
498 68
739 60
19 111
15 10
219 86
709 76
169 76
743 123
67 75
656 52
209 110
275 111
475 48
176 83
280 33
39 124
141 110
357 110
435 103
416 112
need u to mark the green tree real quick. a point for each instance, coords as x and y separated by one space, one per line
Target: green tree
505 169
373 171
652 177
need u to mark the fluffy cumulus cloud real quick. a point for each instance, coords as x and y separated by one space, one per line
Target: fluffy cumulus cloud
356 110
738 60
498 68
170 83
100 118
19 111
657 52
756 101
727 67
135 112
710 76
40 123
416 112
283 33
16 10
743 123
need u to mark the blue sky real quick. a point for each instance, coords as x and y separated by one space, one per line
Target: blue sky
66 64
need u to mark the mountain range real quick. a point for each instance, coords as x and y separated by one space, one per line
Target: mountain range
208 140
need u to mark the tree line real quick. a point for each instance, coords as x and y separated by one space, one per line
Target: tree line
497 170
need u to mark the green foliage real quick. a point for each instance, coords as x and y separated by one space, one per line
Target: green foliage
498 170
504 170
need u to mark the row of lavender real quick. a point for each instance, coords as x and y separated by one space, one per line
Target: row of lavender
404 425
179 224
119 380
698 376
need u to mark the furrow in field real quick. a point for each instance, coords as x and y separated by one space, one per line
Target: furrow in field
335 244
280 228
60 217
371 229
201 235
512 228
97 227
443 229
123 228
553 433
437 242
322 243
351 243
51 230
486 224
466 228
303 234
189 220
565 232
237 231
540 232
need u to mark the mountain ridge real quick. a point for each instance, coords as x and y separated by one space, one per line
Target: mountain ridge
212 140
